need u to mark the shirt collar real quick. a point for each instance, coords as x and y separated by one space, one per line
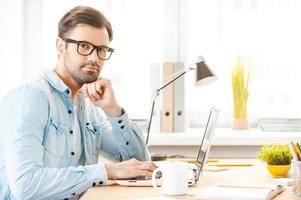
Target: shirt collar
55 81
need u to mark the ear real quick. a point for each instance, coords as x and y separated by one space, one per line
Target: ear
60 46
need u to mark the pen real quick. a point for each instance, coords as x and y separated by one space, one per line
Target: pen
296 151
292 152
298 146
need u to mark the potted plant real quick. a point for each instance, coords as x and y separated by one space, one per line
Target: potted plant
278 158
240 76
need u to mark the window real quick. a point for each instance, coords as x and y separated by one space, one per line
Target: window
267 31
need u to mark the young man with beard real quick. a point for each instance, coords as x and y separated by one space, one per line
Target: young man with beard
54 129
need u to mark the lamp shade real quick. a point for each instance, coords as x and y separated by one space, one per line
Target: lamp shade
203 74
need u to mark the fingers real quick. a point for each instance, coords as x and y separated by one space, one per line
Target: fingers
143 165
98 88
89 91
95 89
144 173
130 169
147 166
146 169
92 92
104 82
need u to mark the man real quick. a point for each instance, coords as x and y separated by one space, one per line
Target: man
54 129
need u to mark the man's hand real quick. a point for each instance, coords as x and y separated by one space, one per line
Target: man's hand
129 169
102 95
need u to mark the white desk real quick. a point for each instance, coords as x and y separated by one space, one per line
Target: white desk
256 174
242 143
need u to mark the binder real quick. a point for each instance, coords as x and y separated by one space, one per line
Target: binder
173 99
179 100
167 112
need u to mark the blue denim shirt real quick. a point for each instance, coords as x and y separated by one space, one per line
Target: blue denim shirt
37 159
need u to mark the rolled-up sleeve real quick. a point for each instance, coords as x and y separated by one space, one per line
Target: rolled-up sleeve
24 114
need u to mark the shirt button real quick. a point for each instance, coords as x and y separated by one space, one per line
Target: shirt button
72 153
73 193
127 143
66 199
100 182
93 184
71 131
119 121
69 111
67 91
122 127
87 123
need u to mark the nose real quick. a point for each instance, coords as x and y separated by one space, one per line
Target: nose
93 56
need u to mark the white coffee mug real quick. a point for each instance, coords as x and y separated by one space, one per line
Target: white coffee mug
174 178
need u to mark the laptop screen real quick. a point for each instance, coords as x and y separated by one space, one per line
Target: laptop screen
206 142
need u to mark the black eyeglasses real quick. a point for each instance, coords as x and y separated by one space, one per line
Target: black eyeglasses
86 48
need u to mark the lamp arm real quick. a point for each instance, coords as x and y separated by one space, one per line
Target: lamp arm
155 97
175 78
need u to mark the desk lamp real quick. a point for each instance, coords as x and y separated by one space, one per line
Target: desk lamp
203 76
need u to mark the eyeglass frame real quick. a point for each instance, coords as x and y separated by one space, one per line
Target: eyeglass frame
97 48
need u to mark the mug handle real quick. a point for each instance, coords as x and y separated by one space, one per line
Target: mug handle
154 177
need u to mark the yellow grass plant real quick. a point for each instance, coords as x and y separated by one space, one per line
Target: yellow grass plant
240 75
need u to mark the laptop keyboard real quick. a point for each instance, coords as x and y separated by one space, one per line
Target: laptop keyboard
143 178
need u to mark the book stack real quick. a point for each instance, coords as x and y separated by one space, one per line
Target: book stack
280 124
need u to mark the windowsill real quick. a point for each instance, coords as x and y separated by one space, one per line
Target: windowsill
223 137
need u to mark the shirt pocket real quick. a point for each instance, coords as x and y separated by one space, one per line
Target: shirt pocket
56 140
93 128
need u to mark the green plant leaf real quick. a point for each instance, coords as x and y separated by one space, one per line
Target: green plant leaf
277 154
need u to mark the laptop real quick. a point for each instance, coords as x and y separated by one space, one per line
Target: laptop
198 169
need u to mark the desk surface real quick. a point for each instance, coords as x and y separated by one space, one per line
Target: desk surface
235 175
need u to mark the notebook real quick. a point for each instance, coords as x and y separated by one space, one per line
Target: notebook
198 167
240 192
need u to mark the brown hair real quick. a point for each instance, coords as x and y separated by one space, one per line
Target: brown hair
83 15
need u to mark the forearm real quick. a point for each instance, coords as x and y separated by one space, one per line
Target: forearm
114 111
138 145
127 136
57 183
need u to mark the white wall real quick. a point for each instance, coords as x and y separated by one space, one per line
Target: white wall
12 43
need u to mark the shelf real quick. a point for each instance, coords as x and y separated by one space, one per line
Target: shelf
223 137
